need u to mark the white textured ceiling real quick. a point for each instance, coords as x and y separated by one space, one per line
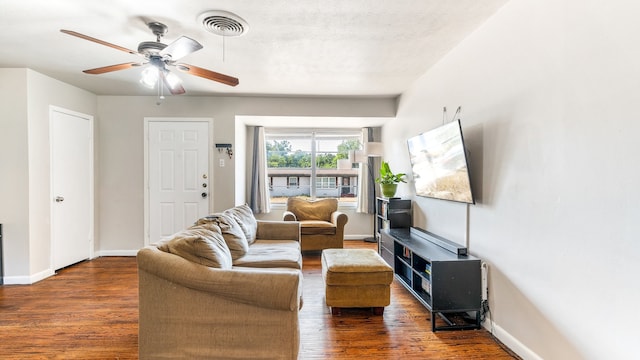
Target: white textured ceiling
304 47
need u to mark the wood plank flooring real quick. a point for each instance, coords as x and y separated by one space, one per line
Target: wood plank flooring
90 311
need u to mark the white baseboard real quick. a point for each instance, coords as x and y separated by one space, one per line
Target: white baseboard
511 342
31 279
27 280
116 253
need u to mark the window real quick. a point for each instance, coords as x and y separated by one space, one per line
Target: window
292 182
324 182
305 163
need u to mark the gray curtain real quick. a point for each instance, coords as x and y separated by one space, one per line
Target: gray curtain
259 196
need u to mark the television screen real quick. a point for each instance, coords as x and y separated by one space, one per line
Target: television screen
439 164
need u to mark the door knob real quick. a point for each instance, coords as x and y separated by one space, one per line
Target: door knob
59 199
204 195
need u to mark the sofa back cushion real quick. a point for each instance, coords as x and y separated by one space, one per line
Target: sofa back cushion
231 232
200 245
320 209
247 221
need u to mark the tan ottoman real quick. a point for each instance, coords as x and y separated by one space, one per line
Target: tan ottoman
356 278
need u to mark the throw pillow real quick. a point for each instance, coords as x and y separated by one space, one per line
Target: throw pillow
199 245
231 232
320 209
247 221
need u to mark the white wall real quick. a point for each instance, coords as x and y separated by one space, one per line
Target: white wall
548 90
14 161
26 97
121 156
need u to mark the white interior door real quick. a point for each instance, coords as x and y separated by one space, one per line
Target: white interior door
71 169
178 175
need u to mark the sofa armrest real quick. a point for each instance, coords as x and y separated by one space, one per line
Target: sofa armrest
278 289
278 230
289 216
339 219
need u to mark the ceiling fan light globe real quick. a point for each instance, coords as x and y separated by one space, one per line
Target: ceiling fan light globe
149 77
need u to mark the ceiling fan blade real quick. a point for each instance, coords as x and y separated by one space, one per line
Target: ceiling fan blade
208 74
181 47
172 83
101 42
110 68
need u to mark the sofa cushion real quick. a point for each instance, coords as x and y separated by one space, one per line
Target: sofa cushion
320 209
231 232
272 254
247 221
317 227
200 245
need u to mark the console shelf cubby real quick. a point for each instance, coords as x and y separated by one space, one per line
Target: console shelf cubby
391 213
439 274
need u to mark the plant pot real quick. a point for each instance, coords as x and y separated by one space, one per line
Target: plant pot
388 190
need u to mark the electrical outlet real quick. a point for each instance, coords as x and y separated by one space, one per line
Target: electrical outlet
221 162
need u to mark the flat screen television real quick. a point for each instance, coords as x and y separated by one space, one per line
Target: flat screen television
439 164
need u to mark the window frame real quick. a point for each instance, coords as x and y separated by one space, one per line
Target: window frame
313 136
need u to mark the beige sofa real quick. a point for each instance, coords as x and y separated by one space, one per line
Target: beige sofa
208 294
321 224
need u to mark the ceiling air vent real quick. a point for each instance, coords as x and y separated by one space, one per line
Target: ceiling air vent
223 23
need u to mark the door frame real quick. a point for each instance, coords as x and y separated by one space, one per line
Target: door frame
52 110
148 120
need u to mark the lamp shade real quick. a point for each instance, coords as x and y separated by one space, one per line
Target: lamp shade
373 149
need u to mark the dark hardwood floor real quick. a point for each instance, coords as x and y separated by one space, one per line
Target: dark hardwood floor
90 311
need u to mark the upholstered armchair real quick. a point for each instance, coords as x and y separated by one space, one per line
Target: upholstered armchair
321 224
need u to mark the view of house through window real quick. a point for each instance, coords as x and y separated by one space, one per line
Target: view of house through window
312 164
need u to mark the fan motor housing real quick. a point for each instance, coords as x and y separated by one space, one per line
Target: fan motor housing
150 47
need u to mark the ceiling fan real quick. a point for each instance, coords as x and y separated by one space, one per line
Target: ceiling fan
161 57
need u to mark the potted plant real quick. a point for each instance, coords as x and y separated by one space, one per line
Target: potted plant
388 180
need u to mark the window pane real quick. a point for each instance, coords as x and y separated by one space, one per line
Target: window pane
336 178
289 165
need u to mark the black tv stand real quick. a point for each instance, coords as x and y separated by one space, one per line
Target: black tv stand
439 273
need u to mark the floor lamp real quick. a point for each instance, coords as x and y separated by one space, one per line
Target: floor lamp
371 150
